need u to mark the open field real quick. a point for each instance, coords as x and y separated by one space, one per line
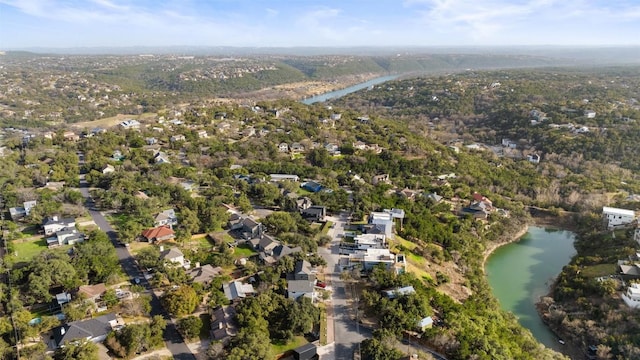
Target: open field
26 250
112 121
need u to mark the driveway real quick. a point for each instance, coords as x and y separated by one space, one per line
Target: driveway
172 338
347 334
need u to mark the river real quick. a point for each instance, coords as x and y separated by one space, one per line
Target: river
520 272
348 90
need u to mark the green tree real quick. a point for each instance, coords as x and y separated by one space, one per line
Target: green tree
190 326
280 222
83 350
250 343
181 301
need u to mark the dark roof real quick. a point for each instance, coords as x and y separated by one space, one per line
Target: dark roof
284 250
83 329
305 352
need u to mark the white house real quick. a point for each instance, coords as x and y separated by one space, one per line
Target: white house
175 256
533 158
590 114
616 217
53 224
284 177
130 124
632 296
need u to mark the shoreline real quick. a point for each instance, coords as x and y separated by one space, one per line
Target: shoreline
494 246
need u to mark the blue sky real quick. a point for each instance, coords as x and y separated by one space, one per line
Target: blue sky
90 23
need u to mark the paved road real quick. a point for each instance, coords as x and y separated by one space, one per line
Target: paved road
172 338
347 334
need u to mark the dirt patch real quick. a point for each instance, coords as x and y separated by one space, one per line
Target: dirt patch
112 121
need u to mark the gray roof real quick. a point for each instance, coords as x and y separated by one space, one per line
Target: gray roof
83 329
172 253
298 286
236 289
205 273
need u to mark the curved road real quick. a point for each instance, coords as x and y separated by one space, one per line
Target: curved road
172 338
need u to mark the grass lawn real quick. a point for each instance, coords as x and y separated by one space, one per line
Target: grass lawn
243 251
323 324
25 250
598 270
297 341
202 242
326 227
136 246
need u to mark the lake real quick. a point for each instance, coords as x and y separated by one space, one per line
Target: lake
348 90
521 272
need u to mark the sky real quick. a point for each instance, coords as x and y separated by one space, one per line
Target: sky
317 23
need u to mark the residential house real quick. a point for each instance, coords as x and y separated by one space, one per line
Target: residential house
296 148
94 330
54 185
359 145
301 281
63 298
590 114
311 186
249 131
70 136
202 134
204 274
408 193
632 296
629 271
161 158
479 210
336 117
130 124
509 144
303 203
283 147
434 197
222 323
332 148
117 155
177 137
364 119
18 213
400 291
236 290
92 292
425 323
107 169
53 224
284 177
382 178
151 141
533 158
615 217
385 219
371 258
250 228
173 255
65 236
314 213
167 217
160 233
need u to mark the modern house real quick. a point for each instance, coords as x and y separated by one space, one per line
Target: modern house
382 178
283 147
533 158
94 330
385 219
632 296
370 258
130 124
590 114
160 233
401 291
425 323
237 290
107 169
615 217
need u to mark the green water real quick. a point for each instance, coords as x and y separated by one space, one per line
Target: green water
520 272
